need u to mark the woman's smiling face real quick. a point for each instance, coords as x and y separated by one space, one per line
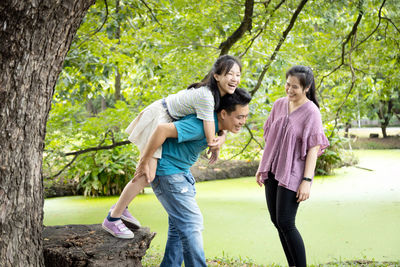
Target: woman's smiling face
229 81
294 90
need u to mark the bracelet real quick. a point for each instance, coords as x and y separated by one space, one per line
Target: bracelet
307 179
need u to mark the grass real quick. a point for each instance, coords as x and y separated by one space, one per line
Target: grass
364 132
351 215
360 138
154 259
375 143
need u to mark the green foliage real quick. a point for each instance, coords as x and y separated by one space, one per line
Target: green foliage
161 47
100 172
333 156
106 172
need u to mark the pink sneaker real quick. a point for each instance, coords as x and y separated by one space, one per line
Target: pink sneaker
127 217
117 229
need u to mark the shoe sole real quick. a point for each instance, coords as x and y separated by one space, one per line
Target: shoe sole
130 223
117 236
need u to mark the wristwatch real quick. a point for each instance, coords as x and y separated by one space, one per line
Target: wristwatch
307 179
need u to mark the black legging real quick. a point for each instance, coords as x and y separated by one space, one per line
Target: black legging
282 205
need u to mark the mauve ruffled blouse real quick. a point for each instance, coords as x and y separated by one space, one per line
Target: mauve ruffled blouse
288 137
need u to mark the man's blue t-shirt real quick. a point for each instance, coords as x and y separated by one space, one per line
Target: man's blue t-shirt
179 154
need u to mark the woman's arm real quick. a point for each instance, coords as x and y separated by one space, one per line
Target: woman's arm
303 193
209 130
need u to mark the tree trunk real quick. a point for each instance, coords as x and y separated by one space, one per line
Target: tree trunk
385 113
117 84
117 94
103 103
90 107
246 25
35 37
383 128
90 245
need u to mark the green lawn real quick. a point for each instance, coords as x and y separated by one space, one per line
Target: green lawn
352 215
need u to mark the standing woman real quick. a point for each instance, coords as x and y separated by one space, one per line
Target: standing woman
294 138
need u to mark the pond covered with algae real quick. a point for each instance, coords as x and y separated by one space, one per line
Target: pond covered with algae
350 215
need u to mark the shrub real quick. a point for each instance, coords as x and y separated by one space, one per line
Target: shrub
99 172
335 155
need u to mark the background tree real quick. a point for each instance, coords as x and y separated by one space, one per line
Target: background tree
35 37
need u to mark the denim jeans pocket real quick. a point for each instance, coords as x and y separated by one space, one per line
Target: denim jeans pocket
156 186
189 177
179 183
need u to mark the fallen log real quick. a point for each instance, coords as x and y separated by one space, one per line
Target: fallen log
90 245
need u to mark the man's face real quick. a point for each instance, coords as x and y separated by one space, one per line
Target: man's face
234 121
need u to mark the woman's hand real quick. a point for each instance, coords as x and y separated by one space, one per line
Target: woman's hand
303 193
259 179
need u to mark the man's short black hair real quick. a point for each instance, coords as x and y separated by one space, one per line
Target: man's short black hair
229 101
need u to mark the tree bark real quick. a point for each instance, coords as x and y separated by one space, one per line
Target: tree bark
246 25
117 93
35 37
385 115
90 107
117 84
90 245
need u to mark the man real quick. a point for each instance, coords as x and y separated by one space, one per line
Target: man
182 141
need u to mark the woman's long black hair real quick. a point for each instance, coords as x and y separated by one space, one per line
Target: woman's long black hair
306 79
221 66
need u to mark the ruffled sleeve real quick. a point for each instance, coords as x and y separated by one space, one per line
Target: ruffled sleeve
268 122
314 135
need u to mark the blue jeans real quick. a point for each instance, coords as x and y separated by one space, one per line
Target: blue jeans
176 193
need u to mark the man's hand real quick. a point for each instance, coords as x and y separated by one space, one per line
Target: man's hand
214 149
214 155
143 169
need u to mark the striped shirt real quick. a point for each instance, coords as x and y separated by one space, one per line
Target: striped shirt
199 101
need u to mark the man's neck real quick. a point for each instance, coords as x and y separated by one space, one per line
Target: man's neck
220 122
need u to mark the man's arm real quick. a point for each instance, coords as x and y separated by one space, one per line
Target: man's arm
160 134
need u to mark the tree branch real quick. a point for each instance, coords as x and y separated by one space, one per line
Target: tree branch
394 25
252 136
352 36
63 169
246 25
262 28
373 31
104 21
376 28
281 41
248 142
98 29
349 36
151 11
90 149
97 148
